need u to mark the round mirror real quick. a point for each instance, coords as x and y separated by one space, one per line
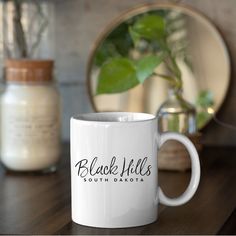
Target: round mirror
202 58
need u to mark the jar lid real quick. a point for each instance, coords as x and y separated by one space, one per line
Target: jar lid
24 70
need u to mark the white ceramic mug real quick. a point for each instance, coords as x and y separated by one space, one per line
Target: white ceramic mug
114 169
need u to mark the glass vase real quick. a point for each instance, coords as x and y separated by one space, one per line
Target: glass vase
177 115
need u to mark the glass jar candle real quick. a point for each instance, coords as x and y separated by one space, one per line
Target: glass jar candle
30 117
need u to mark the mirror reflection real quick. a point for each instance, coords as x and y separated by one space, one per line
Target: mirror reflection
197 49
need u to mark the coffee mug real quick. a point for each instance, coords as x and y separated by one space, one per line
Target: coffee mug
114 169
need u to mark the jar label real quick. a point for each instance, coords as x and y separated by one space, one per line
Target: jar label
31 126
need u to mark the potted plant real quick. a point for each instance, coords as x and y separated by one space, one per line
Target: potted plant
151 46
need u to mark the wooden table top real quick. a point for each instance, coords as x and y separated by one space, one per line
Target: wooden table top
40 204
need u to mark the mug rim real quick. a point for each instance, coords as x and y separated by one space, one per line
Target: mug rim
137 117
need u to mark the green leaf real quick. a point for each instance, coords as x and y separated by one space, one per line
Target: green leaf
150 27
105 51
205 99
135 36
146 66
202 118
117 75
117 43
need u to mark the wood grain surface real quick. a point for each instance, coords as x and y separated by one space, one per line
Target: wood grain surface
40 204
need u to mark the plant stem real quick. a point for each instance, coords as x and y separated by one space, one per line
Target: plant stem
170 79
42 28
172 66
19 33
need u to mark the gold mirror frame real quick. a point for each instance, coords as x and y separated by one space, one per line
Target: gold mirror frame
159 6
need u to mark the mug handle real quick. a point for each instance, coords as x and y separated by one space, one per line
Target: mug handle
195 175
